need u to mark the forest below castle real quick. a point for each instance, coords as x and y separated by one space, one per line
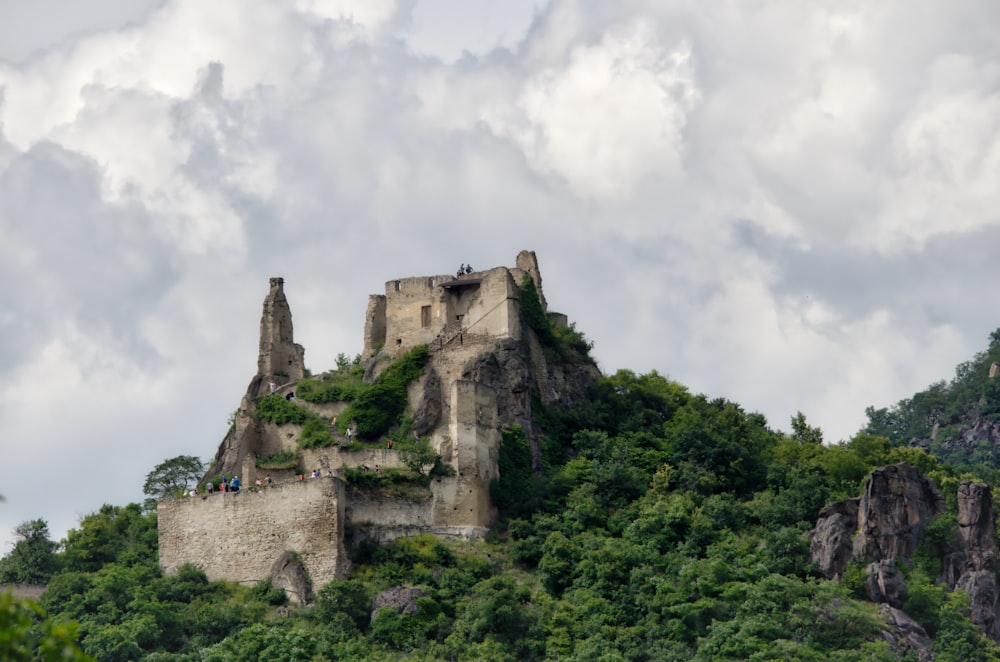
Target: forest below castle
662 525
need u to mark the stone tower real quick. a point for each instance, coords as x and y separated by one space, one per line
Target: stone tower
280 358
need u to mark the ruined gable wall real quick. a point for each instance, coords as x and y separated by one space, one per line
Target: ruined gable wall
374 324
495 312
239 536
405 321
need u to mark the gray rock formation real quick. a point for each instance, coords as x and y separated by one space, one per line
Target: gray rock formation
976 533
427 413
288 575
884 583
904 635
401 598
830 542
279 358
895 508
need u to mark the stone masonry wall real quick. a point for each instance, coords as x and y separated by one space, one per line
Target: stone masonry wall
239 536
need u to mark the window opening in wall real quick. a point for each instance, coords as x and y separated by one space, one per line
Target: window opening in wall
425 316
397 286
399 341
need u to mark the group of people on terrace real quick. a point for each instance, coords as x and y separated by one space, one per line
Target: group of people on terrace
463 270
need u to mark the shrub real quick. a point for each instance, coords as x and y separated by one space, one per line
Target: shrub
380 407
315 434
275 409
282 460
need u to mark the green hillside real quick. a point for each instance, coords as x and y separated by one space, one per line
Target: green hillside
951 420
663 525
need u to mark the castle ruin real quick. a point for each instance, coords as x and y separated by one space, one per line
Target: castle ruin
484 361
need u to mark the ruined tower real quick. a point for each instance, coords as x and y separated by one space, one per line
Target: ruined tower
280 358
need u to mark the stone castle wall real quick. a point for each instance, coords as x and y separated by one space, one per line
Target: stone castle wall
238 537
416 311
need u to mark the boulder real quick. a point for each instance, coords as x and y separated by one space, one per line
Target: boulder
830 541
884 583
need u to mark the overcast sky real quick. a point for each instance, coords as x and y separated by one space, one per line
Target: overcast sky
792 205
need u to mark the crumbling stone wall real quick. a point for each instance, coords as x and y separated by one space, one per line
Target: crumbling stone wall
279 356
239 536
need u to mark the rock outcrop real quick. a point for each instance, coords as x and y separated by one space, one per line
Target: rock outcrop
288 575
830 542
904 635
884 583
891 519
401 598
976 533
895 508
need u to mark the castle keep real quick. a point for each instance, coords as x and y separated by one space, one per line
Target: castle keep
483 362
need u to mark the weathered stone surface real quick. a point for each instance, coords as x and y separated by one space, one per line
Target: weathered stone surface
830 542
279 357
976 533
239 536
427 413
289 575
895 508
885 584
401 598
976 528
904 635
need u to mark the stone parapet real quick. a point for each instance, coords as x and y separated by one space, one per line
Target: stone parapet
239 536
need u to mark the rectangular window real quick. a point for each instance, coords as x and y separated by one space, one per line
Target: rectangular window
425 316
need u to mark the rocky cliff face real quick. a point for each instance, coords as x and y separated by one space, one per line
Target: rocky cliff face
888 523
830 542
976 561
895 508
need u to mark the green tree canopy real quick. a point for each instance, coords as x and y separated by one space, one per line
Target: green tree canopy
33 558
172 477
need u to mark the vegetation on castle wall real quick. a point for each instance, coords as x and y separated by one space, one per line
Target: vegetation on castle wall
565 343
282 460
389 482
342 385
380 407
275 409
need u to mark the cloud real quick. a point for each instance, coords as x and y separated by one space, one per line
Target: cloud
787 204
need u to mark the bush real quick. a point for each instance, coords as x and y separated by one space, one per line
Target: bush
316 434
282 460
275 409
380 407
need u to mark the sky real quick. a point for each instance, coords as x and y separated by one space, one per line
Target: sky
792 205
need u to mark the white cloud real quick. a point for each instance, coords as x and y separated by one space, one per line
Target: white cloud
791 205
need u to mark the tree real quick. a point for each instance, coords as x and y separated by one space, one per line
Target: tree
417 455
172 477
22 639
33 559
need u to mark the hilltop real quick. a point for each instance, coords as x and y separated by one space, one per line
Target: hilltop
531 508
